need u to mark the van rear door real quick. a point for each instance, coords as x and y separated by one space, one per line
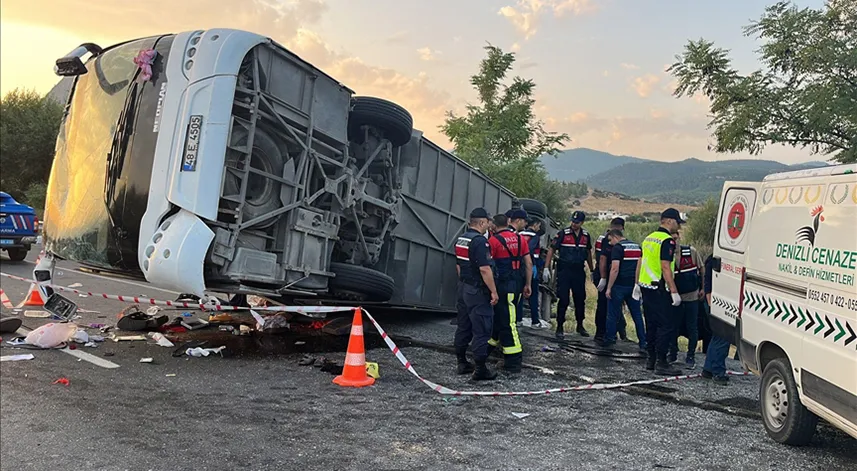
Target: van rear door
737 204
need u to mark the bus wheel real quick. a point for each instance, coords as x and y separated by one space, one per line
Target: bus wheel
391 119
786 419
361 283
262 193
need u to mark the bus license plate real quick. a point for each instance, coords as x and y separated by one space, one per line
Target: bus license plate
6 242
191 146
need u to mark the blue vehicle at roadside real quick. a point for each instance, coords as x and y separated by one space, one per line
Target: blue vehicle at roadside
19 227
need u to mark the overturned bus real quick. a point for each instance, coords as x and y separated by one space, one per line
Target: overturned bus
218 161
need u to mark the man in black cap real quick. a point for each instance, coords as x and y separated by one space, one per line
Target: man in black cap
511 260
603 264
477 294
575 248
656 286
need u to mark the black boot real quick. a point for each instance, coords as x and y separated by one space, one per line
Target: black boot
464 366
559 333
512 363
664 368
651 359
482 372
582 331
623 335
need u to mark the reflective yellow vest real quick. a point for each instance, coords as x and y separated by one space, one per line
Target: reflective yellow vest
650 265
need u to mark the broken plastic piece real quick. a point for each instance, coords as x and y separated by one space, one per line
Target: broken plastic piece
520 415
372 370
203 352
160 339
146 360
37 314
75 285
63 381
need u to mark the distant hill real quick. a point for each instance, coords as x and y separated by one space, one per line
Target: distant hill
579 164
690 181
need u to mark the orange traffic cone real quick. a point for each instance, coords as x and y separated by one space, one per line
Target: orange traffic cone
34 297
354 372
7 303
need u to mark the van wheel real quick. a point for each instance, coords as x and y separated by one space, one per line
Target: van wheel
16 255
391 119
786 419
361 283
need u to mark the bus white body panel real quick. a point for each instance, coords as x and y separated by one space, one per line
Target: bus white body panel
202 84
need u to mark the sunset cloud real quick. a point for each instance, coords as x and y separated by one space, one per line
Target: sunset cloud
285 23
644 85
526 15
427 54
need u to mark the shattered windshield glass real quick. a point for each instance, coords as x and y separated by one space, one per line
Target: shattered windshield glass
77 225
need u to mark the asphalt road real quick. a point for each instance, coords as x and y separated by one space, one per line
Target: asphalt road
256 408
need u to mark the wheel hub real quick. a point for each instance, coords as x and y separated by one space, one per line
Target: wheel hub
776 402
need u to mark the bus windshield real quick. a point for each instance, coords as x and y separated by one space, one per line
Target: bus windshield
77 222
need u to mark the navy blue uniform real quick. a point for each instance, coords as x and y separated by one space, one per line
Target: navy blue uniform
570 275
534 243
627 253
475 313
657 308
603 248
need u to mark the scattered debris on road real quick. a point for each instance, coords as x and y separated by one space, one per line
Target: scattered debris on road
37 314
520 415
63 381
147 360
204 352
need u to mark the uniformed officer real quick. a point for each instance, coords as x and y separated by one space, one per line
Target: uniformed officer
512 259
659 292
477 295
575 248
689 276
620 287
533 233
603 258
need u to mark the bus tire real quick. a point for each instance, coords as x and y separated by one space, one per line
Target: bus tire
391 119
786 420
263 194
534 207
368 284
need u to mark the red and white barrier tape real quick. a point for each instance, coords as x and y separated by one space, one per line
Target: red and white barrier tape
185 305
584 387
390 344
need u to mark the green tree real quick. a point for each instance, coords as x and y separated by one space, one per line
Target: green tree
701 225
502 136
28 132
804 96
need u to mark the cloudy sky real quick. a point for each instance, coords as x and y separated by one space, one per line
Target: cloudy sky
598 64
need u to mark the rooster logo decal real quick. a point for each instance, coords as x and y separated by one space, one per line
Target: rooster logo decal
807 233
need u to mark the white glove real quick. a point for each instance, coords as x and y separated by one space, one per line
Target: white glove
637 293
602 284
676 298
547 275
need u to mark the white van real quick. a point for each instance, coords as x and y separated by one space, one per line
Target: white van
784 292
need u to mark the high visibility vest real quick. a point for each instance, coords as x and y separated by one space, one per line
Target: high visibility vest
650 265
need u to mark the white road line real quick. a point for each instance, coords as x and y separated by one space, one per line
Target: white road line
118 280
23 331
